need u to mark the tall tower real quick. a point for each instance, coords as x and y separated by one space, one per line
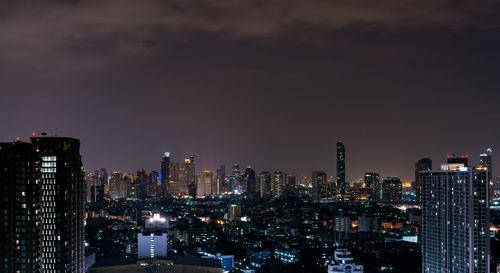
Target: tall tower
424 164
455 220
485 161
372 183
340 168
220 180
264 184
20 208
165 174
320 185
251 180
62 204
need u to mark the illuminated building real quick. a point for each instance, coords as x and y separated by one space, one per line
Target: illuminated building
485 161
264 184
62 204
287 255
173 185
278 184
233 212
115 181
152 243
20 208
455 219
320 185
340 168
424 164
187 181
138 189
227 261
392 190
454 159
152 184
164 174
220 181
205 184
372 183
343 263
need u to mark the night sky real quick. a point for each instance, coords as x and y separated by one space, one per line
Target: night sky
273 84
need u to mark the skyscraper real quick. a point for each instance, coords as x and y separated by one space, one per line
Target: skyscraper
264 184
372 183
424 164
115 181
392 190
20 208
205 184
455 220
174 185
220 180
320 185
485 161
62 204
278 183
251 180
340 168
165 174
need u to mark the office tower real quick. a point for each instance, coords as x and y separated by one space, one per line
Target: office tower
164 174
277 184
20 208
264 184
152 184
62 204
424 164
152 242
205 184
340 168
292 182
251 180
236 170
102 177
114 181
392 190
454 159
342 224
97 194
320 185
187 183
233 212
125 185
173 186
455 220
485 161
138 189
90 180
372 184
220 180
343 263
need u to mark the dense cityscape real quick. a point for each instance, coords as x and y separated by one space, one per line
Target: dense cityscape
60 217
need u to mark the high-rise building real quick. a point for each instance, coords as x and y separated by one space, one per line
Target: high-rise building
164 174
20 208
424 164
152 184
292 182
340 168
278 184
392 190
455 220
138 188
320 185
187 181
455 159
251 180
62 204
220 181
485 161
115 181
372 184
205 184
174 184
264 184
234 212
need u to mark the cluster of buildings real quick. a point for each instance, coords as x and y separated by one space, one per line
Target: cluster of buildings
243 220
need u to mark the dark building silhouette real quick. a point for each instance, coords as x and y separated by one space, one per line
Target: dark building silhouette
340 168
320 185
454 159
62 204
164 174
251 180
392 190
372 184
20 207
424 164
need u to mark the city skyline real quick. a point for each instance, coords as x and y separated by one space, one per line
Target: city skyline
255 84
